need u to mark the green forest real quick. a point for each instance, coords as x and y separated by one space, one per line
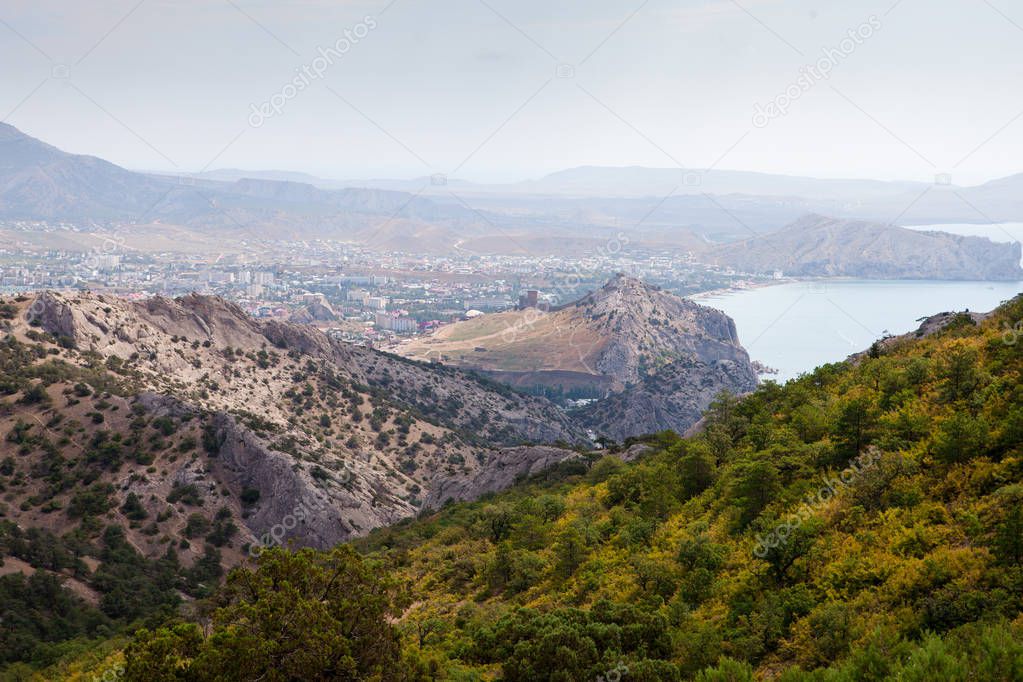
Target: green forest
863 522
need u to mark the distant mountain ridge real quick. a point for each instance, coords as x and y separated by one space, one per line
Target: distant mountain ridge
567 212
40 182
818 246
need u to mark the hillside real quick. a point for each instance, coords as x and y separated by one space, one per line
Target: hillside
865 518
628 338
38 182
864 522
817 246
180 436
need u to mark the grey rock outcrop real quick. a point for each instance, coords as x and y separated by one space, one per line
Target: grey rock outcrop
502 469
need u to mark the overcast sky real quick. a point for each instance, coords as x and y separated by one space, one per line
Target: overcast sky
510 89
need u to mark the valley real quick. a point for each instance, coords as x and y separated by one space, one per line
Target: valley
511 341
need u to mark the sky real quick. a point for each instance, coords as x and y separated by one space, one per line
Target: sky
502 90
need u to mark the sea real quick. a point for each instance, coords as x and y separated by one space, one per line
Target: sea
795 327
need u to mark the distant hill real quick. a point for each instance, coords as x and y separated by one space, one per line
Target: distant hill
818 246
40 182
618 339
233 174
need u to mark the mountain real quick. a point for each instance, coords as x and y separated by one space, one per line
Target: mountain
818 246
235 174
572 212
862 522
635 341
725 205
41 182
213 400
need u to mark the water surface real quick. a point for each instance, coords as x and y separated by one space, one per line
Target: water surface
795 327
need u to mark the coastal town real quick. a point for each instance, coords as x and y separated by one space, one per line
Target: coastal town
354 293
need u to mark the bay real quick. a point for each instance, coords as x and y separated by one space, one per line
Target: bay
797 326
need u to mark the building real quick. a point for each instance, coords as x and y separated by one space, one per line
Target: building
391 322
529 299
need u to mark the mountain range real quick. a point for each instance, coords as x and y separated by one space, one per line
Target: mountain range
862 522
569 212
213 400
40 182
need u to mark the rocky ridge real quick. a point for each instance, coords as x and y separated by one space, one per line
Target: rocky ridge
655 359
326 440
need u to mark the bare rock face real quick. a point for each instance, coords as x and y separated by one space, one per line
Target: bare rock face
314 312
670 356
673 398
636 451
505 467
51 312
293 506
647 328
614 343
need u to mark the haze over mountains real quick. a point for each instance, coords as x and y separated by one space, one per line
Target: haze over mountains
817 246
572 211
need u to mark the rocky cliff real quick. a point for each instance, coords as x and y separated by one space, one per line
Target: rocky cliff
655 359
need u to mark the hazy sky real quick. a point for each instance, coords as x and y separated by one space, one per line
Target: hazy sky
508 89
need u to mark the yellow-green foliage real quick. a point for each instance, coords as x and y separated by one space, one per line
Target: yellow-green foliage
864 522
859 508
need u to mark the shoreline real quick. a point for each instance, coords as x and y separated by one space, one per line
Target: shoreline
732 290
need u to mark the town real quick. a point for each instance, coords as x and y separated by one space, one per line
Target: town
354 293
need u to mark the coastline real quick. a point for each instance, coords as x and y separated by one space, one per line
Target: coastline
713 293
